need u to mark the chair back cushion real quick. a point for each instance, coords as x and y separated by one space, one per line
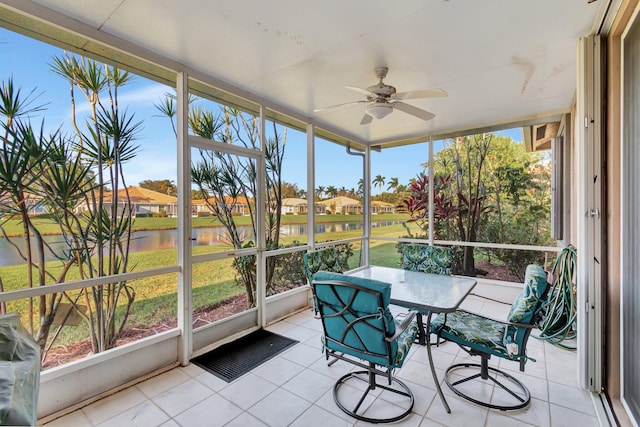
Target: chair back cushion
334 258
427 259
355 316
528 303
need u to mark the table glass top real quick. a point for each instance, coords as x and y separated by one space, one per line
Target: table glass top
422 291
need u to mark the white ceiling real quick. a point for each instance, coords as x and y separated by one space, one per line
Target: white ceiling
501 61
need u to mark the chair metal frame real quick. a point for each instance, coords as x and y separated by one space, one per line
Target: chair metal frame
522 397
372 369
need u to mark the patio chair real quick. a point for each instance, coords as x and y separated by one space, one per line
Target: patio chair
358 328
484 337
332 258
427 259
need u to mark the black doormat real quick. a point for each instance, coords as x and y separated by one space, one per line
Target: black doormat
236 358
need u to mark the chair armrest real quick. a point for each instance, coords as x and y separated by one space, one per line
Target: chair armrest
405 323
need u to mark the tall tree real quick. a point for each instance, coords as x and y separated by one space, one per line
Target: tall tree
291 190
378 181
108 142
63 172
164 186
393 184
491 181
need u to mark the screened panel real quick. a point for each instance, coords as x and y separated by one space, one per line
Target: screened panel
339 190
223 203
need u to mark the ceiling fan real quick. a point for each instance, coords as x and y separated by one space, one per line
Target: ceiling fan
382 99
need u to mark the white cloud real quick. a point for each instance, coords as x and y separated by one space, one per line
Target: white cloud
136 97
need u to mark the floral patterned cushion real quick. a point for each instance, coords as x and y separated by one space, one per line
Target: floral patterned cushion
405 340
428 259
495 337
329 259
527 303
535 285
473 331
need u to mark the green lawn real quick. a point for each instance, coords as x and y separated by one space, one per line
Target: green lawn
13 227
213 282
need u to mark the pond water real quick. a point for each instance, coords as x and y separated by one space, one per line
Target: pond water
167 239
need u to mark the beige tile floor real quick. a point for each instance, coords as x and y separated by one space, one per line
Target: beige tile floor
296 389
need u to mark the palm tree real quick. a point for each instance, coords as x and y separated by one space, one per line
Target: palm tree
332 191
320 191
393 184
378 181
360 191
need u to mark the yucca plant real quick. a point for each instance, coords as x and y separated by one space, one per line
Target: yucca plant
80 179
99 236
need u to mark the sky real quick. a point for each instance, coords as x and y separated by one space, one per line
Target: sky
28 61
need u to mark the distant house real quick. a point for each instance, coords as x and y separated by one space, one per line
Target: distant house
342 205
378 207
238 206
297 206
33 203
294 206
144 202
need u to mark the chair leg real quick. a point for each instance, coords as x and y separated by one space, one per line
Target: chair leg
370 377
517 392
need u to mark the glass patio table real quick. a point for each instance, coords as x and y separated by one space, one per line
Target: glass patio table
424 292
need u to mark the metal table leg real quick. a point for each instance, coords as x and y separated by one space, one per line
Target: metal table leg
433 368
422 334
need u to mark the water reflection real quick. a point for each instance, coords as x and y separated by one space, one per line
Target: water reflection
150 240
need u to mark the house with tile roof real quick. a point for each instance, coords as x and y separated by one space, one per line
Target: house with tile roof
379 207
342 205
238 205
144 202
297 206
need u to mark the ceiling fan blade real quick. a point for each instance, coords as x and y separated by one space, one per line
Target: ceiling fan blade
424 93
363 91
414 111
366 119
338 106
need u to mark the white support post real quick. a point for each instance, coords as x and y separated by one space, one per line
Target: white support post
311 186
185 303
431 190
261 187
366 214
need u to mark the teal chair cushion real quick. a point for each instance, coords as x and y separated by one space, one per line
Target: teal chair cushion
427 259
366 336
328 259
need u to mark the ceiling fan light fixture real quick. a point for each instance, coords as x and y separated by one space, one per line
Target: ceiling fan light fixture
379 110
